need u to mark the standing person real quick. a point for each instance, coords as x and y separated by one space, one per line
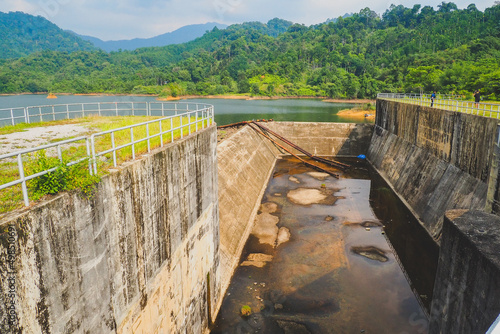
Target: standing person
433 97
477 98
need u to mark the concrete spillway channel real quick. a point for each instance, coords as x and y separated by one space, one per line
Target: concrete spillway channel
318 260
433 160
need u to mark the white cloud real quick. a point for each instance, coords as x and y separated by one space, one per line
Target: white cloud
125 19
17 5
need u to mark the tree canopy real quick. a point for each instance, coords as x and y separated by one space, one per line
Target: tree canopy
449 50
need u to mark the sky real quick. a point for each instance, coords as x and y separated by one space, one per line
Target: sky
127 19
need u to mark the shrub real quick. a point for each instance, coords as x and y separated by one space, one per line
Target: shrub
62 178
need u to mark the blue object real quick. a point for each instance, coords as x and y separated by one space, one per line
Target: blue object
361 156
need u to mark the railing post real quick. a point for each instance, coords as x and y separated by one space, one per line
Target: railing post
181 126
23 179
133 144
59 153
26 115
99 108
114 147
116 108
67 111
94 161
87 143
189 123
171 130
147 136
12 116
161 135
53 113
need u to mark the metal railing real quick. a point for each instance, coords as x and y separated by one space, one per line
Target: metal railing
199 117
13 116
446 102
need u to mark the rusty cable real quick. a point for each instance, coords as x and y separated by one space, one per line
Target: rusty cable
323 160
243 123
296 156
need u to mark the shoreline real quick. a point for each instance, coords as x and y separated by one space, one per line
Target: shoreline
222 97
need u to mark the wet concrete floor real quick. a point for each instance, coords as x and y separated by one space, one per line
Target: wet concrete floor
320 259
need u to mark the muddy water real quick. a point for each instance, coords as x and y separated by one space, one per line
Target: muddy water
321 259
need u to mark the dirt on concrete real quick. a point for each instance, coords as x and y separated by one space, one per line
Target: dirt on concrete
225 133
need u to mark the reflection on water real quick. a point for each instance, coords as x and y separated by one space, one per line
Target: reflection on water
337 272
226 111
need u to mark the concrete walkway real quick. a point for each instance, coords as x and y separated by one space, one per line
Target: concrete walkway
34 137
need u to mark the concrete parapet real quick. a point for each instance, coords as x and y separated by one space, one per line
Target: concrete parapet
463 140
466 295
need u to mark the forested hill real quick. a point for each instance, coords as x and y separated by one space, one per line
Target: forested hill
22 34
447 49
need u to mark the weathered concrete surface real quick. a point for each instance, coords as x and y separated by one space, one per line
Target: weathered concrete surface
435 160
465 141
326 139
429 185
245 163
467 289
141 256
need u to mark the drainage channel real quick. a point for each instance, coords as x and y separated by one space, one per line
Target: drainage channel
331 255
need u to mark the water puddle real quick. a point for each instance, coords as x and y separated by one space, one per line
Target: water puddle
321 259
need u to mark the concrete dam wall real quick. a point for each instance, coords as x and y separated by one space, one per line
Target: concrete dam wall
141 256
436 160
154 250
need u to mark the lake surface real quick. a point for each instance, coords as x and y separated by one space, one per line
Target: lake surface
226 111
356 261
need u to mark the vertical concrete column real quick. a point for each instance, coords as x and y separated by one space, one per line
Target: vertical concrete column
493 197
466 295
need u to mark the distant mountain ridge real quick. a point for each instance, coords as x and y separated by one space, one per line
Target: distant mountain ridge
179 36
22 34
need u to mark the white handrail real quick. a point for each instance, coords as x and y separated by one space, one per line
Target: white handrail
495 327
446 102
92 153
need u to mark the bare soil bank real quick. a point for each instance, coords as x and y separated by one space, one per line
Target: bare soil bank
226 97
356 113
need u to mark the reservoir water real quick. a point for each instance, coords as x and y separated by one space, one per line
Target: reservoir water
226 111
331 255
